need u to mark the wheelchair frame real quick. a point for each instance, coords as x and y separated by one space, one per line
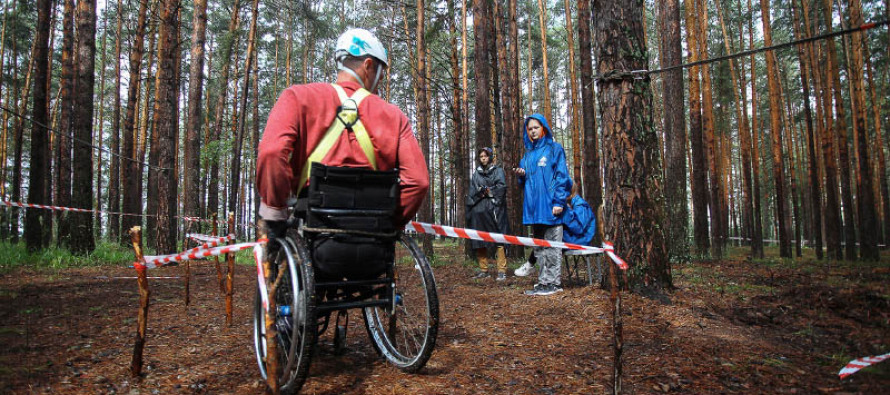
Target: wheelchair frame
297 309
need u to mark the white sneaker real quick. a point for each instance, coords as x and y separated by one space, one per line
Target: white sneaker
524 270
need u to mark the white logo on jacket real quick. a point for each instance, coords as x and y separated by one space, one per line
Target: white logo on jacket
542 162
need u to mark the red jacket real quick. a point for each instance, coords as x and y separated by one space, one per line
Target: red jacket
296 125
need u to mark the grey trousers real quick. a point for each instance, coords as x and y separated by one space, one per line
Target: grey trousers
550 259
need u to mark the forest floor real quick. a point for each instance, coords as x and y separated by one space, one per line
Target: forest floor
730 326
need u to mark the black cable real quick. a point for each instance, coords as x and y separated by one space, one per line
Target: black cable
70 137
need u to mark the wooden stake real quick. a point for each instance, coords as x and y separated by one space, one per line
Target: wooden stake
618 338
188 266
219 278
271 333
144 294
230 275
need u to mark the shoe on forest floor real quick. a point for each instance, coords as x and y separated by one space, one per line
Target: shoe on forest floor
544 289
502 277
480 275
524 270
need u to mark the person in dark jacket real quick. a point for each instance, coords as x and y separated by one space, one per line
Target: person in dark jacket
487 210
544 177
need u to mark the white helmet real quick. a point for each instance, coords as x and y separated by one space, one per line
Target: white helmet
360 42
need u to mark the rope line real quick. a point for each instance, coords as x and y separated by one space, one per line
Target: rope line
71 137
643 74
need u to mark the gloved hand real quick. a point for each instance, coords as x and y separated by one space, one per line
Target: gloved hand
275 229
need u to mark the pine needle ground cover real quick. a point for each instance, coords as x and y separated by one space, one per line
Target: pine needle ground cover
732 326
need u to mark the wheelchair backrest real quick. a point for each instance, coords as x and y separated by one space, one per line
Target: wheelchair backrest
352 198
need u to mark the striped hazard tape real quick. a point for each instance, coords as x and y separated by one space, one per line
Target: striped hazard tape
208 238
861 363
152 262
84 210
448 231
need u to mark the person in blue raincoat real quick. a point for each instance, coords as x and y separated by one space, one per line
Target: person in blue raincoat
578 221
545 181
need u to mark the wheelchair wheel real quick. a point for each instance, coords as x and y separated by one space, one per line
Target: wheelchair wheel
295 318
405 334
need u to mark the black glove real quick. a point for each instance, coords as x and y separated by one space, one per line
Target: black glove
276 229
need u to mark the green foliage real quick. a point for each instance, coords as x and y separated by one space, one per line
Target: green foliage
13 256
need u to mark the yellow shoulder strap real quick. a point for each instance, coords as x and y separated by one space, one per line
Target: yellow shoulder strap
347 113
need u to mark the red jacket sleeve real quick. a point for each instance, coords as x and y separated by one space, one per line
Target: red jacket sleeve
275 177
412 171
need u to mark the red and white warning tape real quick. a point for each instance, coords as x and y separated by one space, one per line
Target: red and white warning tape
213 243
473 234
152 262
208 238
861 363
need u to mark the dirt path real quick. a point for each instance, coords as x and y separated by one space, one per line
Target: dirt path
731 327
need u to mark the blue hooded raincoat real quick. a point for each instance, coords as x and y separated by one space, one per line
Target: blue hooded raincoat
579 223
546 183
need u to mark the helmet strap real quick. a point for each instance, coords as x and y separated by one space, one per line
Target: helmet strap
353 73
376 78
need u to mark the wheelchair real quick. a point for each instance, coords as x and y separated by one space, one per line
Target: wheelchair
343 251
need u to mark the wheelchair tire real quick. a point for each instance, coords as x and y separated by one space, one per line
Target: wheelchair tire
295 301
406 335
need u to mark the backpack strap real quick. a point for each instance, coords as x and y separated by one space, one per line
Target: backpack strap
347 118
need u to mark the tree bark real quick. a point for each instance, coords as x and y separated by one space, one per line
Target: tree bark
481 19
115 171
131 197
840 133
677 231
812 169
82 240
195 117
699 169
66 106
710 141
592 181
575 104
423 110
868 225
879 148
235 175
633 211
457 123
39 222
775 105
744 134
545 91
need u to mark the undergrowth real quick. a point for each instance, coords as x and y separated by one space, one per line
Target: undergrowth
16 255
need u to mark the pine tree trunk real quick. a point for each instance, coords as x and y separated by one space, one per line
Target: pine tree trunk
812 169
82 240
542 19
775 105
39 222
101 133
677 231
115 171
840 133
879 148
514 130
195 124
131 197
757 237
592 183
66 104
576 103
459 181
481 20
235 175
423 111
708 132
747 209
868 225
699 169
214 188
633 211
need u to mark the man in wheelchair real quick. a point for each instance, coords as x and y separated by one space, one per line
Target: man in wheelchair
340 168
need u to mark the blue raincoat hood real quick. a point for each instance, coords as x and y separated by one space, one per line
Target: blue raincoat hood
547 136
